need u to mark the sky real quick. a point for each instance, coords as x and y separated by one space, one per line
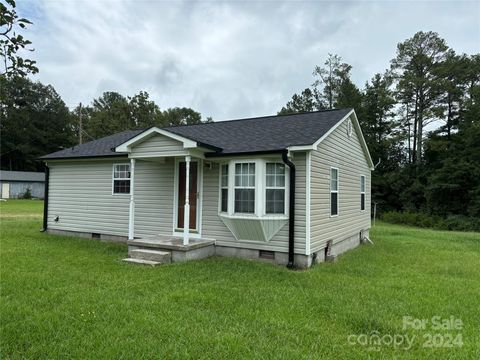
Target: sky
230 59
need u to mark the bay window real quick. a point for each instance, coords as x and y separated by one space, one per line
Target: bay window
253 188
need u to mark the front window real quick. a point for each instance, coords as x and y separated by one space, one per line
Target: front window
224 188
333 191
245 187
121 179
275 188
362 192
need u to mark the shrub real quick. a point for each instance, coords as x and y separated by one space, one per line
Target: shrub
451 222
27 194
462 223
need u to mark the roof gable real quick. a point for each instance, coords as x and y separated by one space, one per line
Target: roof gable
357 131
150 133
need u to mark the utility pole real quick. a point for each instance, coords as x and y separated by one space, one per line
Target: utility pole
80 125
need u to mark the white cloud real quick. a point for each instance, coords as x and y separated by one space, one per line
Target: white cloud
225 59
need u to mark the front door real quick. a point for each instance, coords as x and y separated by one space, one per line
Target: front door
193 194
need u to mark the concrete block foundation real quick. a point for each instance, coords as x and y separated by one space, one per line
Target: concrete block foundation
200 249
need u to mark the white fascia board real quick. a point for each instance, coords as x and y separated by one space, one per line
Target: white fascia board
125 147
363 143
332 129
301 148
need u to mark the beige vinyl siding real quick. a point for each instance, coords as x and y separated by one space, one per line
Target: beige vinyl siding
154 197
81 195
213 227
345 153
156 146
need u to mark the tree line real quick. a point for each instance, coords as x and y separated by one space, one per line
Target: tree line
421 121
36 121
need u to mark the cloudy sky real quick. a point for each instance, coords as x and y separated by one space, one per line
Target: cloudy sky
225 59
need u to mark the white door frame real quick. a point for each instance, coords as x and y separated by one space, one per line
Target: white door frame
195 233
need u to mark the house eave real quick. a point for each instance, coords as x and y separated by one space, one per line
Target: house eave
92 157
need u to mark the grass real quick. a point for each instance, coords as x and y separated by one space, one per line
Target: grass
66 297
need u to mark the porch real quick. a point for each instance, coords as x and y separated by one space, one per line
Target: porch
181 160
161 249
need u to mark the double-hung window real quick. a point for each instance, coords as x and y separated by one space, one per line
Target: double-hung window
121 179
244 188
362 192
333 191
275 188
224 188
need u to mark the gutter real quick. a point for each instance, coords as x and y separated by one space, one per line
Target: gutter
291 218
45 201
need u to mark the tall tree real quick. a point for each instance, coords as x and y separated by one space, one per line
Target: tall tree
113 112
452 77
300 103
145 112
35 121
332 88
181 116
415 67
329 80
383 139
12 43
108 114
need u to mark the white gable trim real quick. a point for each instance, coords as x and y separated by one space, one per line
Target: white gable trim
363 143
353 117
126 146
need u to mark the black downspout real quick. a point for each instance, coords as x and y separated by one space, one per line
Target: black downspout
291 219
45 201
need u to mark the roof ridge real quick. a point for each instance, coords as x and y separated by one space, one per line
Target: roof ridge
255 118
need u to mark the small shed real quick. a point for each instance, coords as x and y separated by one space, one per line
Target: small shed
15 184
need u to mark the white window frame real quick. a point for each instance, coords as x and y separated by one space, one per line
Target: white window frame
221 187
249 187
284 188
363 192
334 191
123 179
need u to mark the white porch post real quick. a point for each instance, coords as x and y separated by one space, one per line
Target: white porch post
131 214
186 213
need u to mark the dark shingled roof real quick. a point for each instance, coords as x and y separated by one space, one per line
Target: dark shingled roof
96 148
263 134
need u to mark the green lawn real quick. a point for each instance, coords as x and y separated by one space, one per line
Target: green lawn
65 297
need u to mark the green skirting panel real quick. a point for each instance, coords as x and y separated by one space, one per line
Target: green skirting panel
255 229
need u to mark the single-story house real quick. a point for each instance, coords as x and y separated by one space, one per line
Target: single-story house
291 189
15 184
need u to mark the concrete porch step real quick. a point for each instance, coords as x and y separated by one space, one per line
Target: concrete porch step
164 257
142 262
